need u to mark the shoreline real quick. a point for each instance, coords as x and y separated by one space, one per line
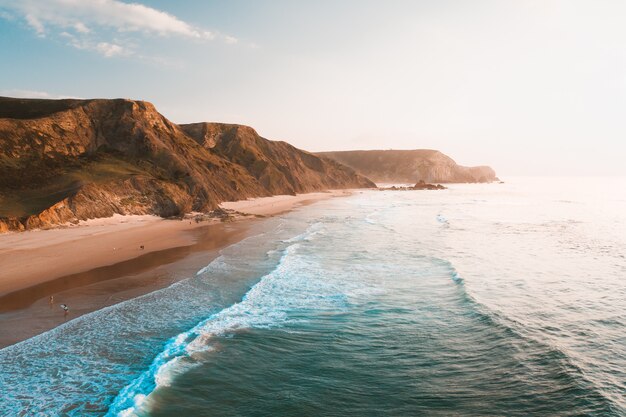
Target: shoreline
99 263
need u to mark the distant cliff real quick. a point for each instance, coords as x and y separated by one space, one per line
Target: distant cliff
410 166
69 160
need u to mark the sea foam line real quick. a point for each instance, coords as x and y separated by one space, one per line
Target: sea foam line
253 311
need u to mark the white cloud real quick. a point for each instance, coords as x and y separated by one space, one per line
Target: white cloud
81 28
35 24
107 49
120 16
6 15
31 94
92 23
110 49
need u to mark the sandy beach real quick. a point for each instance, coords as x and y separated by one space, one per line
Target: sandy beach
268 206
100 262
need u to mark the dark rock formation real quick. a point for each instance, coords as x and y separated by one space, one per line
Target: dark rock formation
421 185
70 160
410 166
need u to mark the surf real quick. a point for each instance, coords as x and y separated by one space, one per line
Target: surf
266 305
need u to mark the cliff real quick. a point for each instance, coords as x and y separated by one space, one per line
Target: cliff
410 166
279 167
70 160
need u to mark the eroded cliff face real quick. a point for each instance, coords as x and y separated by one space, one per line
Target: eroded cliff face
410 166
280 167
70 160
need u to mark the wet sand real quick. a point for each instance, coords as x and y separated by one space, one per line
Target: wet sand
95 265
28 312
268 206
33 257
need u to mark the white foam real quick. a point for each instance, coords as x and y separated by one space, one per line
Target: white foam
266 305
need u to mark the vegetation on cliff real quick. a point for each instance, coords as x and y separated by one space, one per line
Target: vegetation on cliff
69 160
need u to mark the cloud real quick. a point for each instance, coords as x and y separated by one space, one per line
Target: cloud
107 49
92 23
110 49
31 94
81 28
230 39
120 16
6 15
35 24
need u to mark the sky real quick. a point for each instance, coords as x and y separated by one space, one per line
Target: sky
527 87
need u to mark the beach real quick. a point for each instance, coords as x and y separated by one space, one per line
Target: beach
101 262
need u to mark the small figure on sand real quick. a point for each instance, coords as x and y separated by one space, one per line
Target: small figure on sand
66 309
51 299
141 247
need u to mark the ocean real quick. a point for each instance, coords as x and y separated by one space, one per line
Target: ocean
480 300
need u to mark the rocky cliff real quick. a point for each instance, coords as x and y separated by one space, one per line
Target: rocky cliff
278 166
70 160
410 166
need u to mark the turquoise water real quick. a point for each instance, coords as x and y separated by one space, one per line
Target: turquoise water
501 299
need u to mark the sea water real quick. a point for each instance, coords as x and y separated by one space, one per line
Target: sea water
491 299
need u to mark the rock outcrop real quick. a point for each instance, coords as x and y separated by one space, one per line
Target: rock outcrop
410 166
70 160
421 185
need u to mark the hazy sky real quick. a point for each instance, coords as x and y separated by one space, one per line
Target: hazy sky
528 87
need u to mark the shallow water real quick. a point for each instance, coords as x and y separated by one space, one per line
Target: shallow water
500 299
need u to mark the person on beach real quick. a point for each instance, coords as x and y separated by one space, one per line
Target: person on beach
66 309
51 299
